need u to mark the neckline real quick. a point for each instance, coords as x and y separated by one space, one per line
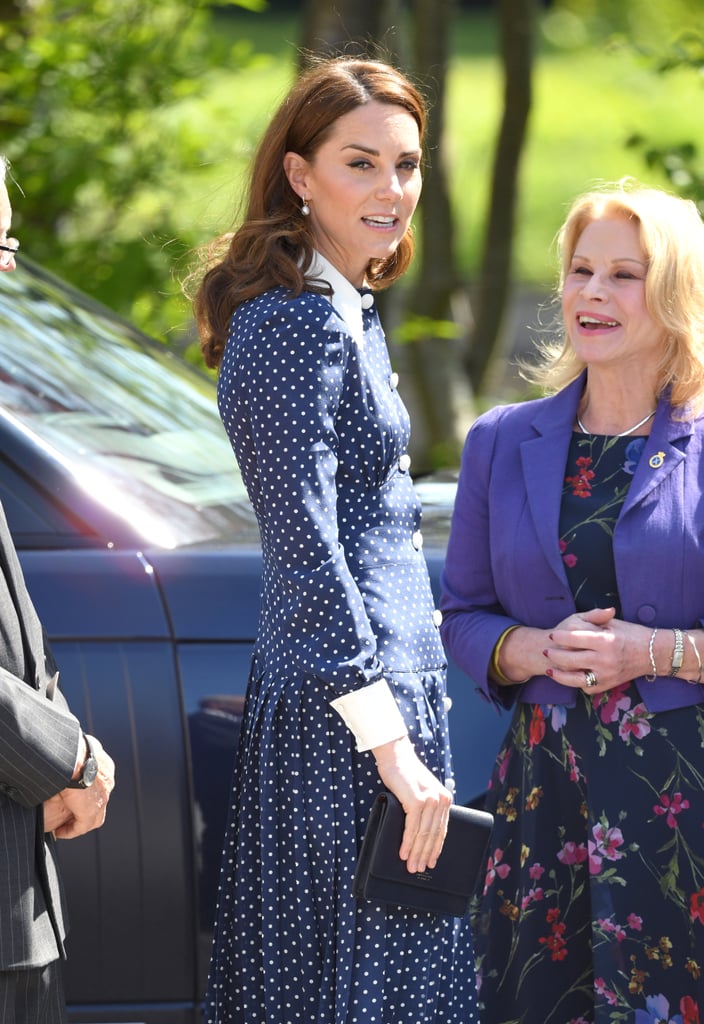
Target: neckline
624 433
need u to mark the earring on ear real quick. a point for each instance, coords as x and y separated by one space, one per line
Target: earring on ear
305 208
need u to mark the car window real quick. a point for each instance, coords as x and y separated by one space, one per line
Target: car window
134 425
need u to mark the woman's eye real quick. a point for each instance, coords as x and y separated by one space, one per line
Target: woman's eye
581 270
360 164
409 165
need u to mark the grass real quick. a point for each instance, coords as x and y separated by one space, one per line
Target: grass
588 100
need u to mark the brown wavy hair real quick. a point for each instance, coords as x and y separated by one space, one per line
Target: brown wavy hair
274 244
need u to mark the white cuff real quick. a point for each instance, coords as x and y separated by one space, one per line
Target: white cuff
371 714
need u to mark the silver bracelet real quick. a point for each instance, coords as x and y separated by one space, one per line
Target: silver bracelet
694 682
653 667
677 652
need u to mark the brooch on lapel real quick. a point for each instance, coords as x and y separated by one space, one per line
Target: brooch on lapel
656 461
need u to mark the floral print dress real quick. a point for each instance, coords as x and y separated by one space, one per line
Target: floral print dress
592 908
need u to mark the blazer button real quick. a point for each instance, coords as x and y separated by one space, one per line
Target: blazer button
404 463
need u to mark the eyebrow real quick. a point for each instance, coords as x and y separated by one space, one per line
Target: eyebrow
375 152
619 259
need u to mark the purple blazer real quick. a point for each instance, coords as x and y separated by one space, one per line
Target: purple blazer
503 564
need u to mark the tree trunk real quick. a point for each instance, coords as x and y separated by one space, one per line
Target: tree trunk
516 24
433 358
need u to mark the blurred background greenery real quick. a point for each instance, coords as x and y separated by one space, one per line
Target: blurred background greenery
130 126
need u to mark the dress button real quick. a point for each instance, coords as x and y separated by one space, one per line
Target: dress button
404 463
447 701
393 381
437 617
367 301
417 540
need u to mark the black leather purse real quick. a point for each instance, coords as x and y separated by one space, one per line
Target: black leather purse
382 876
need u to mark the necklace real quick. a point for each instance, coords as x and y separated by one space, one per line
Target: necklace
624 433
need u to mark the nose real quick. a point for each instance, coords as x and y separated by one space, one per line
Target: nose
390 187
594 287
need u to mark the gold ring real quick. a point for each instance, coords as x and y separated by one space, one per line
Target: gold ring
590 679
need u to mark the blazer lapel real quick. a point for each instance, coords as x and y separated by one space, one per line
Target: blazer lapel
544 458
661 454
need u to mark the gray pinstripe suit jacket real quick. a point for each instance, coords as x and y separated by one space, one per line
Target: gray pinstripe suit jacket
38 743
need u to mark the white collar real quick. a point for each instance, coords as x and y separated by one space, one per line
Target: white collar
345 298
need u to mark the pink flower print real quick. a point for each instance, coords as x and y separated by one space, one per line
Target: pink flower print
634 922
569 559
604 846
575 774
504 763
601 990
634 723
534 896
612 702
671 807
610 927
536 871
494 868
571 853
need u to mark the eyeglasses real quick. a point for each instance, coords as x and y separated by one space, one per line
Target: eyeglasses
10 248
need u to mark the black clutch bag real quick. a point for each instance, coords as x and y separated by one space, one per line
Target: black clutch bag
382 876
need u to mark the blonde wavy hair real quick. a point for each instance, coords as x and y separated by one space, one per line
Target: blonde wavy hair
672 236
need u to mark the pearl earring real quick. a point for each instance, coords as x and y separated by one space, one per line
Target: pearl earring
305 209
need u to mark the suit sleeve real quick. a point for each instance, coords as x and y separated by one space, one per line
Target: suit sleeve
294 375
38 742
473 618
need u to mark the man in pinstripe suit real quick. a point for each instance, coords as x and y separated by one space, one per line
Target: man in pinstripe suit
55 782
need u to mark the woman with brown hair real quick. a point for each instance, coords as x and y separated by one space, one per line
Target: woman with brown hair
346 695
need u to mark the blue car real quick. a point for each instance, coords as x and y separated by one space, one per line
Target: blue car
142 556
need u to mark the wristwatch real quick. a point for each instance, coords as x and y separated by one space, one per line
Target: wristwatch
90 768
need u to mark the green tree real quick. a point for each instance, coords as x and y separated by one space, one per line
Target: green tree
86 93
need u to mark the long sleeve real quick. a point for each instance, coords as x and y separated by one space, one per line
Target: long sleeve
285 379
38 742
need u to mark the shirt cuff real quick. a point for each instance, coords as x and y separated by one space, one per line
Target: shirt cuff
371 714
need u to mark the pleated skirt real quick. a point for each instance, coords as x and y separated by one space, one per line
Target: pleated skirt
292 945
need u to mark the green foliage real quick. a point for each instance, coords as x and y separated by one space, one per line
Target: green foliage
680 161
89 97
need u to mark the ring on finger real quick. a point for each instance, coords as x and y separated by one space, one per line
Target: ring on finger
590 679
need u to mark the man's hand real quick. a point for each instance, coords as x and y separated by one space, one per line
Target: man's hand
83 809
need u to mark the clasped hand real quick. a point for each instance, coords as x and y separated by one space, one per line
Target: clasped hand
73 812
593 642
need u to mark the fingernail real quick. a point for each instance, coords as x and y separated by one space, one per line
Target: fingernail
550 636
545 654
548 672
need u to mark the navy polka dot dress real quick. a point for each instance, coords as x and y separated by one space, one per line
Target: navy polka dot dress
320 435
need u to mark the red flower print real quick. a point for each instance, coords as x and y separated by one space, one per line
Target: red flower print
696 906
671 807
536 731
581 481
555 941
689 1010
569 559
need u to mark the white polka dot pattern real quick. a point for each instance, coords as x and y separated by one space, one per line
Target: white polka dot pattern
320 434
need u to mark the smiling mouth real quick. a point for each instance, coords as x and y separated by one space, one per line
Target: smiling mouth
591 323
382 222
